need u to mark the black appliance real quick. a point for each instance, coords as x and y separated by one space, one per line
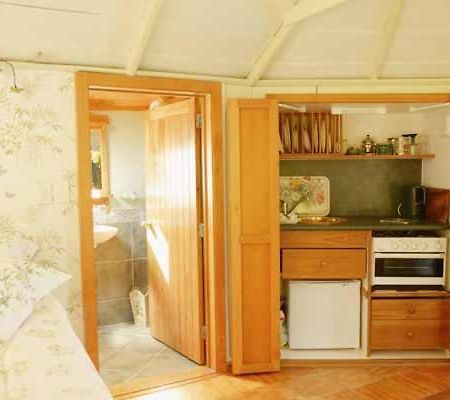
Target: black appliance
413 202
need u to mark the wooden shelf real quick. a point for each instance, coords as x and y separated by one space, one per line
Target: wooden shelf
380 294
330 157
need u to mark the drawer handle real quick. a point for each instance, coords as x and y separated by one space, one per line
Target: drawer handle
409 334
411 310
323 264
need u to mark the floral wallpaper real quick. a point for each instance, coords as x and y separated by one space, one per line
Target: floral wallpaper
38 213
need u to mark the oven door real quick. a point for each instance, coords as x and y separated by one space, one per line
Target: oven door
408 269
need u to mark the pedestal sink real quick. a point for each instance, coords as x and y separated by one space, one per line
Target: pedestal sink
103 233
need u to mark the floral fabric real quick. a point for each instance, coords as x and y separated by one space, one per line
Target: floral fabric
46 360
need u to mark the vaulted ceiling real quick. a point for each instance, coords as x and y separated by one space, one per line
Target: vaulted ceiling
249 39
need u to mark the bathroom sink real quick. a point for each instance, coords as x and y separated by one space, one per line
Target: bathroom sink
103 233
321 220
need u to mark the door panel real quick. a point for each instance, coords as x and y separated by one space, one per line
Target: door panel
254 234
173 215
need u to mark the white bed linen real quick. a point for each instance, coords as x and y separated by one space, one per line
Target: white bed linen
45 360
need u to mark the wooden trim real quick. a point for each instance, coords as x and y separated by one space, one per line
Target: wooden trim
214 235
343 157
140 387
98 121
101 201
370 362
361 98
369 293
88 276
387 294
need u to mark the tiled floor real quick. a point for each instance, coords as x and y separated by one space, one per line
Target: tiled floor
128 352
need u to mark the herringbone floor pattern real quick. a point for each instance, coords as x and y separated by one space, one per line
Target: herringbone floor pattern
336 383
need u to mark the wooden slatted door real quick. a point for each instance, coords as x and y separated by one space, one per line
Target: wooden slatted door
254 234
176 310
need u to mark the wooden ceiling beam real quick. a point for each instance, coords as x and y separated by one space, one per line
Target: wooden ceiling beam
386 37
308 8
296 14
144 32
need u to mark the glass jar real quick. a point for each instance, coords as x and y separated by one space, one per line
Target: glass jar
368 145
407 143
393 144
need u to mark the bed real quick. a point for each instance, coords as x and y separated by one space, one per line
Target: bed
45 360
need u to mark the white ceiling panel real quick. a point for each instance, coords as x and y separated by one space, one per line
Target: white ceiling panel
421 47
338 43
225 38
72 32
211 37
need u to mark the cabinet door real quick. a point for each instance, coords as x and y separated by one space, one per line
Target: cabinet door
254 234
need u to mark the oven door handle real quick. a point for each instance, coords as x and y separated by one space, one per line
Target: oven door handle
421 256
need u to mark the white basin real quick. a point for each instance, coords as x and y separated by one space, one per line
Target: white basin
102 233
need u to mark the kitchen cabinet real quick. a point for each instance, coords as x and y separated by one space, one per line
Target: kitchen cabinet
410 324
325 239
254 235
324 264
254 241
324 254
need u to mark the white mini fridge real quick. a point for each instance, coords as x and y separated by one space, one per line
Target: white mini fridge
324 314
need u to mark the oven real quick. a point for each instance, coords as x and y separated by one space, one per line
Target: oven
409 261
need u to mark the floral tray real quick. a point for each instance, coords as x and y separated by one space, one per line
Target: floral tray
306 195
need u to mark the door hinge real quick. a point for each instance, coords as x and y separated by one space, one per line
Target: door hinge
201 230
204 332
198 121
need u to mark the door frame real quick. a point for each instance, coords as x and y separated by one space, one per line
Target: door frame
212 188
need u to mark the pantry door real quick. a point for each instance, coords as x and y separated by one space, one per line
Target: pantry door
254 230
173 197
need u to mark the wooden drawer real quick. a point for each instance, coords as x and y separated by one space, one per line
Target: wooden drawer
409 334
323 264
324 239
402 309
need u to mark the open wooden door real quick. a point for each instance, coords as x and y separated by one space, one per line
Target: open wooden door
253 190
175 269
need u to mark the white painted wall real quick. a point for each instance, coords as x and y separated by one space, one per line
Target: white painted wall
436 172
381 127
126 135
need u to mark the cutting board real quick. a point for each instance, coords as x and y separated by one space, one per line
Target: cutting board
437 205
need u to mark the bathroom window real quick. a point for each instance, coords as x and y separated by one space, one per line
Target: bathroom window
98 127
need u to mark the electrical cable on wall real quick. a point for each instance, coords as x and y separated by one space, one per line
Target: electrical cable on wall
14 88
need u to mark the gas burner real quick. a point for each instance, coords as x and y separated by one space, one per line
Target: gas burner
406 234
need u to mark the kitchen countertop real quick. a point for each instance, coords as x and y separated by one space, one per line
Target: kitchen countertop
368 224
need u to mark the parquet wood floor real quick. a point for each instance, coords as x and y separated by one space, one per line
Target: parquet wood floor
332 383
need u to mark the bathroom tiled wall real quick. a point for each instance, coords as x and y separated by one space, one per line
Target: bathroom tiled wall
121 264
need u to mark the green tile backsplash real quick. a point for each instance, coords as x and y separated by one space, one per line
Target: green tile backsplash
361 187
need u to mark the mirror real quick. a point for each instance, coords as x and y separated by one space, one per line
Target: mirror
98 130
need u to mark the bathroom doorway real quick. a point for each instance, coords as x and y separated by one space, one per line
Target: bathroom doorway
155 243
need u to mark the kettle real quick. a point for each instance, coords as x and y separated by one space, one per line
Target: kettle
413 202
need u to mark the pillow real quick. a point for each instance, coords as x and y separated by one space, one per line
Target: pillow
22 284
42 279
